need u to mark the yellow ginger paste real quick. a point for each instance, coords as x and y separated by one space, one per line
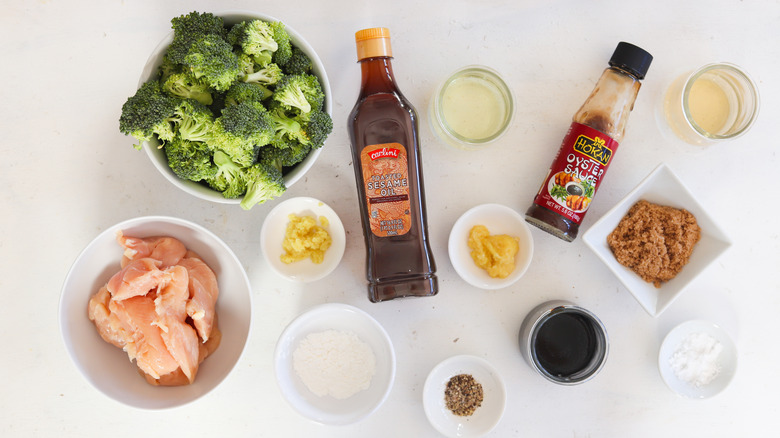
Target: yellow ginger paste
495 254
304 238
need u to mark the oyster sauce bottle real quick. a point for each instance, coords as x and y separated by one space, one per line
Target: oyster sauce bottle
588 148
383 129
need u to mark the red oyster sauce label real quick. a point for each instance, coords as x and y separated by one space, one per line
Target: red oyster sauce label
576 172
386 181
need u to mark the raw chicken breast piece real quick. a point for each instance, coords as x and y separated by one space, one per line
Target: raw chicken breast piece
136 279
108 325
180 338
204 291
167 250
177 377
172 294
138 315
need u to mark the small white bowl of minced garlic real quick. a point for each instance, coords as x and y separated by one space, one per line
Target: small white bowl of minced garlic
491 246
302 239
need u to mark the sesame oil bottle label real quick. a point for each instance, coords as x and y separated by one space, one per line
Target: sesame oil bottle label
386 179
575 175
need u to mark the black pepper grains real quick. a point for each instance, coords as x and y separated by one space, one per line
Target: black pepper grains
463 395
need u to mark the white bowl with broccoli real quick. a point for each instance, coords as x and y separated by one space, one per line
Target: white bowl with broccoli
232 107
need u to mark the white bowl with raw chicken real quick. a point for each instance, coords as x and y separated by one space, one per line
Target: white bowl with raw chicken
178 329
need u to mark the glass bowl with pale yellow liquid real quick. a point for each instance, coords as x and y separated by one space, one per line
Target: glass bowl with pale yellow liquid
715 102
472 108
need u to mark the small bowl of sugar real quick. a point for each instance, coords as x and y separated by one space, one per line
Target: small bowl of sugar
335 364
697 359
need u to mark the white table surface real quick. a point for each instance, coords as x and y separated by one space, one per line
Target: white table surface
67 174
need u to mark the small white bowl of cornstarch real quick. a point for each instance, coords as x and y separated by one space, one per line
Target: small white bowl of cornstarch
335 364
697 359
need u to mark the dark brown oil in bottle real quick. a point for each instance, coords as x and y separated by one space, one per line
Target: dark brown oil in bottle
383 128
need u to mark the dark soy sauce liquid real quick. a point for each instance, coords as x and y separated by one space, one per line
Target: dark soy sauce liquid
565 344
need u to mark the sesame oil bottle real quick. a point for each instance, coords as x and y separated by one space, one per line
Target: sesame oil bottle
383 129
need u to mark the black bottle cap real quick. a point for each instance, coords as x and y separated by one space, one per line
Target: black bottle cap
632 59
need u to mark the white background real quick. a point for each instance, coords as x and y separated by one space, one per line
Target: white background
66 68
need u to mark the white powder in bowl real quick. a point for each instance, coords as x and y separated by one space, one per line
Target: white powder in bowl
696 359
333 362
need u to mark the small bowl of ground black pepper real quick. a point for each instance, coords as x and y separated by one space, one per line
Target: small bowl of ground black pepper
464 396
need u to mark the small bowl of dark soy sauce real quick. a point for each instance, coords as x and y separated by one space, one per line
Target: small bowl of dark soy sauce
564 343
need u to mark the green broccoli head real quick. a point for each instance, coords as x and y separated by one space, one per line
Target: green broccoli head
186 86
318 127
264 182
212 59
194 120
246 92
187 29
298 63
268 75
311 129
283 52
256 38
229 178
168 68
239 129
189 160
246 62
287 127
148 112
284 153
299 92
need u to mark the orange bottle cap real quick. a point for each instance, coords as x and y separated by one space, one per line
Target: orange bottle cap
373 43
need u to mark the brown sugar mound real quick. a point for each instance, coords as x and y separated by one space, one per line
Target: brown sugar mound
655 241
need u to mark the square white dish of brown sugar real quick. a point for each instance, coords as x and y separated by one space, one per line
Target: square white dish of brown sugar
659 247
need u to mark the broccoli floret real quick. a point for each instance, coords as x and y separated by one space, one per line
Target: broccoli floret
302 92
284 47
218 103
318 128
256 38
239 129
212 59
190 159
290 154
167 68
149 111
194 120
246 62
246 92
298 63
264 182
187 29
229 177
268 75
186 86
287 128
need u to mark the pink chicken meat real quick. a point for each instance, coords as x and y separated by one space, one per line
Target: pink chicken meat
159 308
204 292
167 250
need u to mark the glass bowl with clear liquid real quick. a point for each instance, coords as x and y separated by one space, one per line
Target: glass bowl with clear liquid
716 102
472 108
